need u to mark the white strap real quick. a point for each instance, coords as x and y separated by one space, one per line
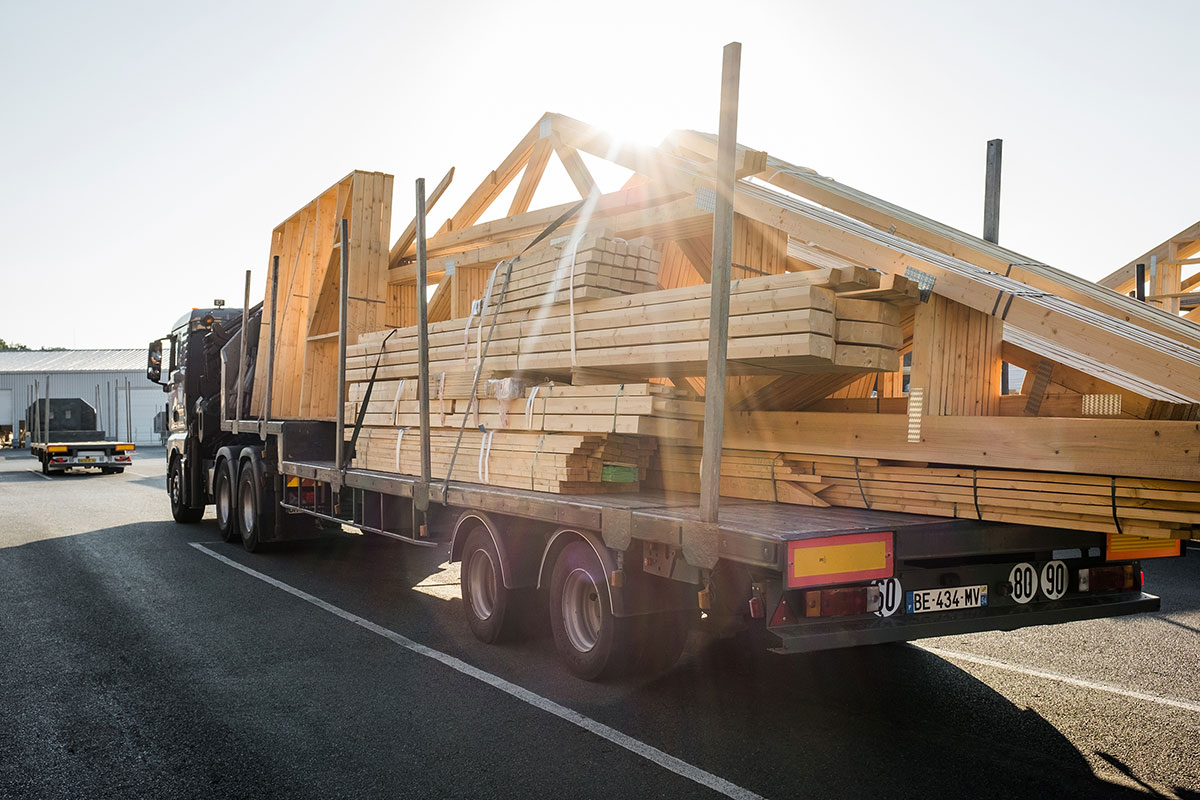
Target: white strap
485 452
396 401
476 310
399 439
529 408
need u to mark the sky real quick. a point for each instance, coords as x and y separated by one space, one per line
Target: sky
147 150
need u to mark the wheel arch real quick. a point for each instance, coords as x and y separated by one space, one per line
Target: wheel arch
564 536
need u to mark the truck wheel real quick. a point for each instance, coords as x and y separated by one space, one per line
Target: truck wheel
181 512
590 639
494 613
45 467
252 522
224 496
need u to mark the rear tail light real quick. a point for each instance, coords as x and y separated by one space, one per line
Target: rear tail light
841 602
121 458
1106 579
58 461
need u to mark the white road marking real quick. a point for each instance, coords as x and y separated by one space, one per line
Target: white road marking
636 746
1100 686
140 475
40 475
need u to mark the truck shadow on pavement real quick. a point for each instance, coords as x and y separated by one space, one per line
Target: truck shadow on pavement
870 722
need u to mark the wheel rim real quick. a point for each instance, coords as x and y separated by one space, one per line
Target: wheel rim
481 580
581 610
173 486
247 504
224 501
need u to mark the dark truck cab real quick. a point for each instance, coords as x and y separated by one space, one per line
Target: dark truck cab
187 364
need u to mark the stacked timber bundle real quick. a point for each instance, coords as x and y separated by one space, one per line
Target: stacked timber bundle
594 266
778 323
1140 507
562 463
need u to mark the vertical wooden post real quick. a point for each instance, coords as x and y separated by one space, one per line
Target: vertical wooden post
991 192
421 498
991 217
1172 275
718 320
241 378
343 321
271 343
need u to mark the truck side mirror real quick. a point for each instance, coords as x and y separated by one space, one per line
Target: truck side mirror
154 361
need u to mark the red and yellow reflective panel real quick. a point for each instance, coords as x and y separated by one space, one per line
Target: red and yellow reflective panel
840 559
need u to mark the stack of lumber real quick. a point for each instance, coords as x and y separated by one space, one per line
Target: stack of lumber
1074 501
590 267
644 409
562 463
778 324
547 437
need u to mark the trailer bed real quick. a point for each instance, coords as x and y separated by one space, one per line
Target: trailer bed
753 532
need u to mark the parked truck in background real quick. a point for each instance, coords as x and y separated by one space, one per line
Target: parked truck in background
64 436
610 570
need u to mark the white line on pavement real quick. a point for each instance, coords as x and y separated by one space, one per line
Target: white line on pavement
140 475
40 475
1100 686
636 746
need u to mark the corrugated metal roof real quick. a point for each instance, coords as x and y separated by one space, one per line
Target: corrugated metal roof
73 360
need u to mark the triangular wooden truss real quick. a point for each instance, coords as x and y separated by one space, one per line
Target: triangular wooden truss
1085 339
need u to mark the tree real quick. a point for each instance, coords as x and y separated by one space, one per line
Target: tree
14 346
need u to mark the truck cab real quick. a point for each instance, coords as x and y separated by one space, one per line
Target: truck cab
187 364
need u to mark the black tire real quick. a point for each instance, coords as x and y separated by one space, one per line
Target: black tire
592 642
253 520
45 466
183 514
495 614
225 500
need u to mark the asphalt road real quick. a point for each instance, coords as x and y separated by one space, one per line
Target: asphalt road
134 663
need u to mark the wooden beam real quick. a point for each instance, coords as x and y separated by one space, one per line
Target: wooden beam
405 242
1138 448
585 184
531 177
496 182
901 222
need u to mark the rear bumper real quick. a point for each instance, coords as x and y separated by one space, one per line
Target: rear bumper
834 633
70 461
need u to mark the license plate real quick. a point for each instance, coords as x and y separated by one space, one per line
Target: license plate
951 599
87 460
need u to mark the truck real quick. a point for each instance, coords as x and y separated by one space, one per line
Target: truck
622 577
64 437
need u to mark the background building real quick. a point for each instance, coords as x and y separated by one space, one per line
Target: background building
97 376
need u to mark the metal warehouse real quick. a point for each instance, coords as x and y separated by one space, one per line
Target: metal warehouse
113 381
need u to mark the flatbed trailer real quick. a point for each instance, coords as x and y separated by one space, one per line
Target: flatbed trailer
61 440
622 577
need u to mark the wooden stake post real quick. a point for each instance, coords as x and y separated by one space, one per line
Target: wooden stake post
421 496
718 322
343 302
